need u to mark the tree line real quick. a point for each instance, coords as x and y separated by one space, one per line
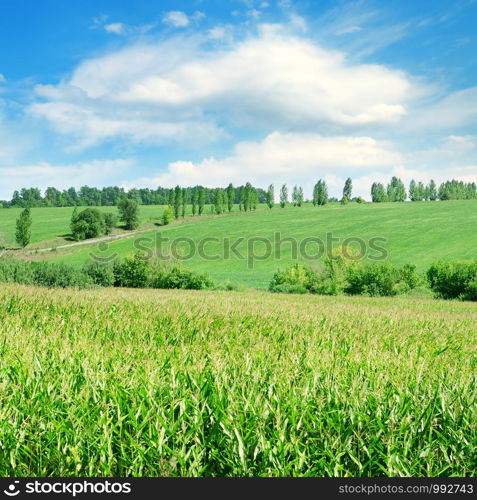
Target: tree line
247 197
111 196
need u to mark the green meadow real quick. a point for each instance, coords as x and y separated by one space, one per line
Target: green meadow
417 233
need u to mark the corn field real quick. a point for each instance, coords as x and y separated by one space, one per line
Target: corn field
120 382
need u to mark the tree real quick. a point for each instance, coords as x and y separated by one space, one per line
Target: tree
177 201
171 197
241 198
201 200
23 231
248 197
283 196
230 197
88 223
396 190
432 190
378 193
413 190
195 200
184 201
270 196
167 216
320 193
218 201
129 213
295 195
110 222
348 189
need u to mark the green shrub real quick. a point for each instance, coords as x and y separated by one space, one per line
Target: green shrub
177 277
452 280
167 216
16 271
59 275
381 280
89 223
101 274
132 272
295 279
110 222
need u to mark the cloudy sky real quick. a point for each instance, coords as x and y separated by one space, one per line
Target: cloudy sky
150 93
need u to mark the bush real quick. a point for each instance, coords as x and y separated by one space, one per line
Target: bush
132 272
381 280
101 274
454 280
16 271
110 222
177 277
295 279
59 275
89 223
129 213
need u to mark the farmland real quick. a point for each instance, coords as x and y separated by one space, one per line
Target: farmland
439 230
143 382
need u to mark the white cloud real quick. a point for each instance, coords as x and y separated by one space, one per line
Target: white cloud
282 158
116 28
176 18
458 109
349 29
2 78
44 174
274 80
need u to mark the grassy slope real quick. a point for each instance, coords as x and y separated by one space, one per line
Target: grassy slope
120 382
416 233
51 225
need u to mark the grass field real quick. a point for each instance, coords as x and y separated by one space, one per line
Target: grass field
141 382
52 225
417 233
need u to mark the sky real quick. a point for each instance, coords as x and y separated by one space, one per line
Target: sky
160 93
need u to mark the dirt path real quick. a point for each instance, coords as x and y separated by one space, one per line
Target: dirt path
91 241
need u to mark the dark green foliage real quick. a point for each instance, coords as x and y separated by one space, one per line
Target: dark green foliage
101 274
295 279
348 189
195 200
378 193
185 200
283 196
270 196
89 223
320 193
59 275
110 222
230 197
396 190
177 277
381 279
342 274
201 199
23 228
132 272
452 280
129 213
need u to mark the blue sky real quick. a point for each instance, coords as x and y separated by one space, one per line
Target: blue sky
159 93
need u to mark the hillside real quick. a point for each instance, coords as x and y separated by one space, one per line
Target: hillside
417 233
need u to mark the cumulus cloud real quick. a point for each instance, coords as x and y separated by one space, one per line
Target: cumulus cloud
275 79
176 18
282 157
